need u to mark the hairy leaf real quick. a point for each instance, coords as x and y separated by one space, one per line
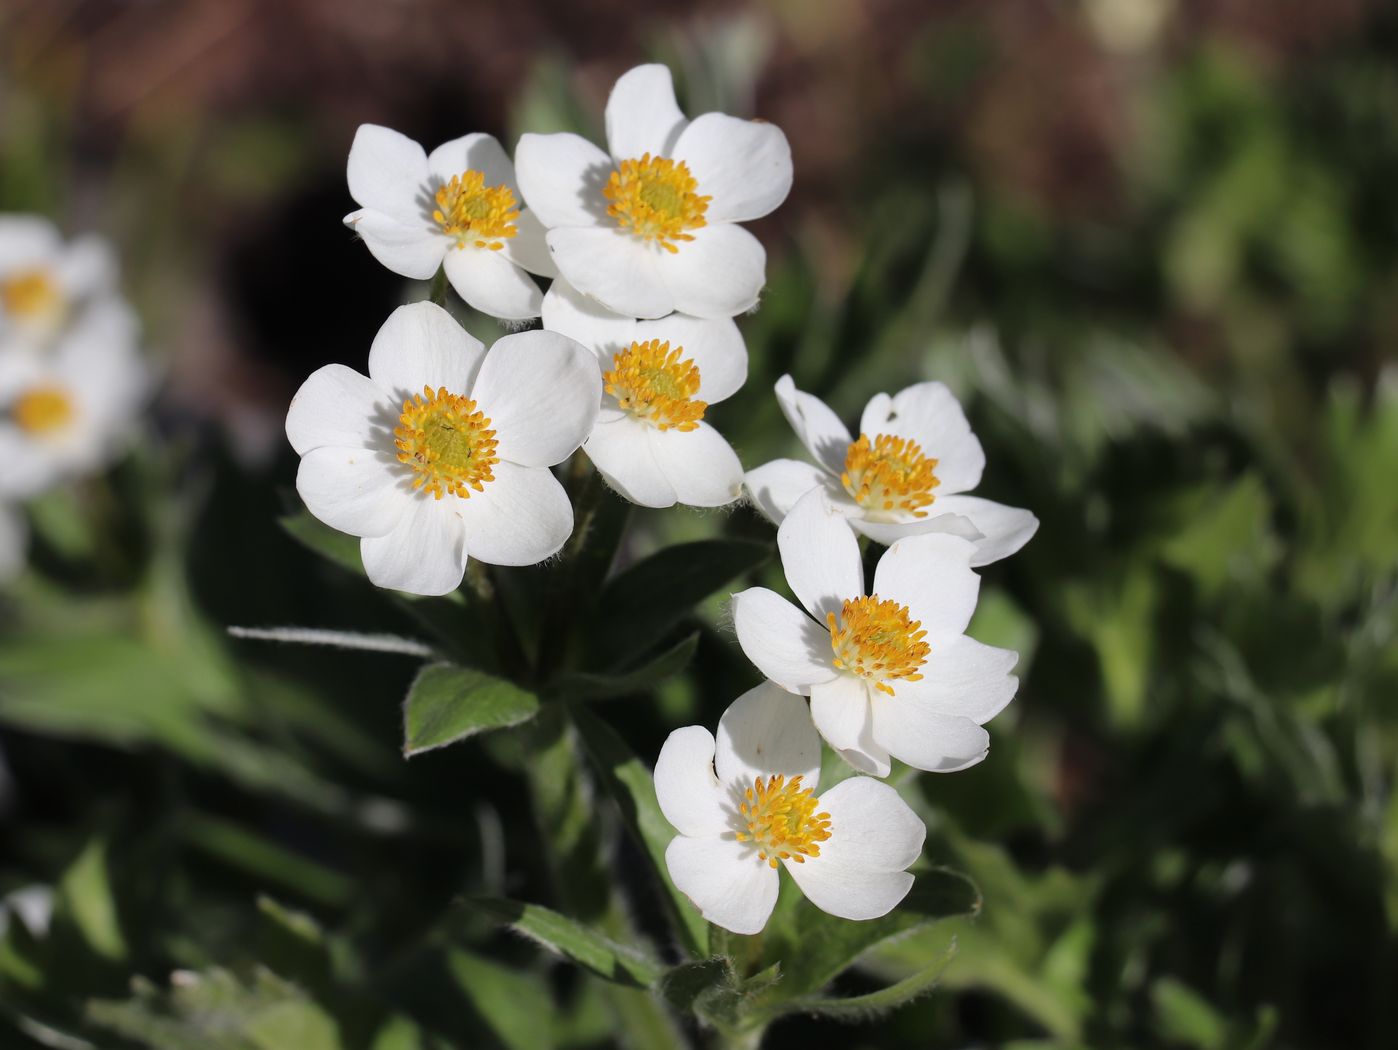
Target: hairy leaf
447 703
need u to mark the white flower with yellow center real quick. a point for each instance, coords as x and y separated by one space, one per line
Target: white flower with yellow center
908 471
443 451
45 282
747 803
654 226
651 441
68 412
457 207
888 673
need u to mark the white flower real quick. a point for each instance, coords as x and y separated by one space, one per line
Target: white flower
67 412
14 537
907 473
443 451
458 207
653 227
747 802
651 442
891 673
45 282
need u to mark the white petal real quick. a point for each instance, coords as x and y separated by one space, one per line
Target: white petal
561 177
491 283
840 710
689 794
784 643
890 532
925 740
849 891
744 165
14 539
579 317
29 468
620 449
819 429
541 391
475 152
963 677
870 826
930 414
338 406
355 490
764 732
1003 529
718 274
87 267
776 486
931 575
421 345
714 345
411 248
27 241
726 880
529 248
619 271
699 464
424 554
642 114
520 518
387 172
820 556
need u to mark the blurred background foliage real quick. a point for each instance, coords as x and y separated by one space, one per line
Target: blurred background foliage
1152 244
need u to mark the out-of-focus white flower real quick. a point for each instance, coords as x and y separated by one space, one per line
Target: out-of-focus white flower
457 207
45 281
68 412
745 803
443 450
14 538
907 472
651 442
891 673
654 226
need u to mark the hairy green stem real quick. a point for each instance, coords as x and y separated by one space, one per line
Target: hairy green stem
438 292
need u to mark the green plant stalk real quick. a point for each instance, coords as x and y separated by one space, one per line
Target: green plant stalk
437 294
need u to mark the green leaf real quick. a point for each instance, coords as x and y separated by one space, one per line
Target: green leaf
331 544
447 703
815 947
583 686
871 1004
584 946
709 988
86 895
640 605
631 785
515 1007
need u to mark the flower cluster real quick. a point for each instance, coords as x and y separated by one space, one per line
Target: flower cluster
443 454
72 377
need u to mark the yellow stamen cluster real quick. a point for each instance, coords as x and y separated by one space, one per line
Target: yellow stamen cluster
448 443
43 410
889 473
782 820
474 213
31 294
878 640
656 384
654 198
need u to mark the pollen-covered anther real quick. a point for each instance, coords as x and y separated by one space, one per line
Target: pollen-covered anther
878 641
43 410
31 294
782 821
474 213
655 199
889 474
656 384
448 443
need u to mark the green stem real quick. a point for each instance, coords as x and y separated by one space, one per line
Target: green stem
438 292
564 601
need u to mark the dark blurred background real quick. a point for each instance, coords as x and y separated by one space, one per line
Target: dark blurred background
1153 244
